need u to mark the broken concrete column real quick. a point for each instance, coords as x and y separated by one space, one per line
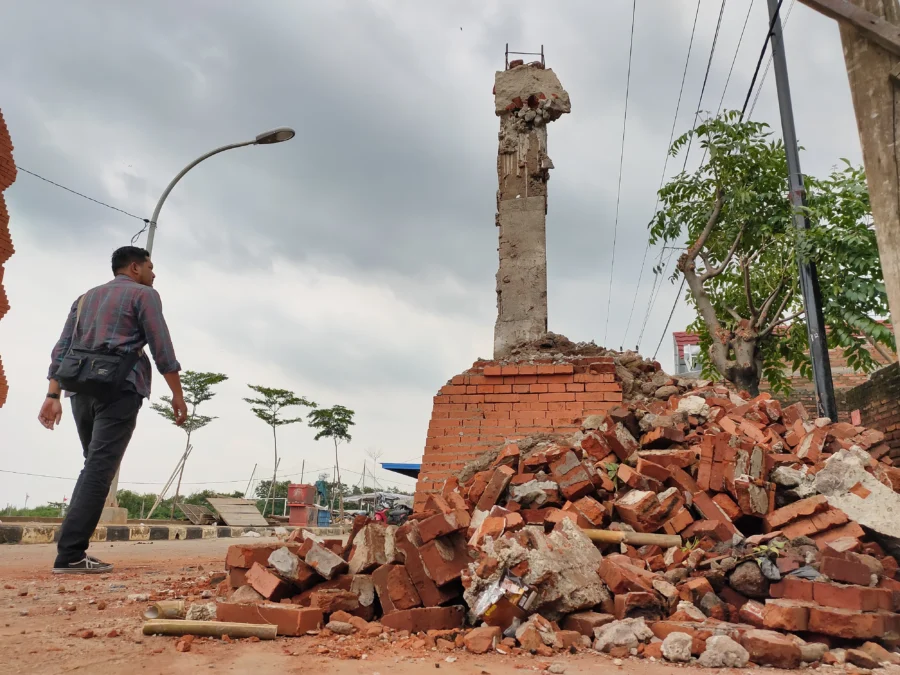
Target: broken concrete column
526 98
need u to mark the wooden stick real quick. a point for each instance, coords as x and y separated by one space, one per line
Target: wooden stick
633 538
210 628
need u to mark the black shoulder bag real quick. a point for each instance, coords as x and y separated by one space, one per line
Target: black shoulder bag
100 373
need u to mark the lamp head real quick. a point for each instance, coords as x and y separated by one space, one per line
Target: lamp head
278 135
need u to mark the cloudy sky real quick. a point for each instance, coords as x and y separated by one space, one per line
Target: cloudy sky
354 264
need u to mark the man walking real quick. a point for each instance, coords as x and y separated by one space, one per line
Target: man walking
119 317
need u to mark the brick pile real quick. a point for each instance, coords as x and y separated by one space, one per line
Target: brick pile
770 571
7 178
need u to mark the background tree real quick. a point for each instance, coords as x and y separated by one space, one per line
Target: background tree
197 389
740 265
333 423
269 408
264 492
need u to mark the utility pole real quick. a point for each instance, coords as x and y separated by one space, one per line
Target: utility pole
809 277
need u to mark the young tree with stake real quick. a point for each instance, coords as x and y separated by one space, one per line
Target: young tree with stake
269 407
197 389
333 423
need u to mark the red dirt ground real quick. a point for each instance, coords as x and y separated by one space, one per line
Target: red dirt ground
44 640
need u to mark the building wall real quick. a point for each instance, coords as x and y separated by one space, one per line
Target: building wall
7 177
878 402
492 403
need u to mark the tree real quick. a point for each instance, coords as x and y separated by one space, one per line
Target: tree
333 423
197 389
264 492
269 408
740 265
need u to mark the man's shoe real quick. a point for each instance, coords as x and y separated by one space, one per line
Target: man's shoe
87 565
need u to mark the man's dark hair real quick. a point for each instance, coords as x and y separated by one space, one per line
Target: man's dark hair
123 257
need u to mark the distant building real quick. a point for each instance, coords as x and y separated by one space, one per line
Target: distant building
687 364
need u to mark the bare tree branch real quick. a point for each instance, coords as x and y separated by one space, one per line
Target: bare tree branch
885 354
698 245
734 313
745 270
716 271
767 304
775 325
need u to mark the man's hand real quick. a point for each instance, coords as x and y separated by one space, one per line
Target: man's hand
180 409
51 413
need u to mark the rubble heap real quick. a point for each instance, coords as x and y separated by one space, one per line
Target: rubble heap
757 535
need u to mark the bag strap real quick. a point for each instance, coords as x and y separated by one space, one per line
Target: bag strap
77 316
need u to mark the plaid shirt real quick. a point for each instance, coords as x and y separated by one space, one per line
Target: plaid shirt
121 316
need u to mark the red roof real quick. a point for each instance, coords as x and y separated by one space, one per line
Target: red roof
682 339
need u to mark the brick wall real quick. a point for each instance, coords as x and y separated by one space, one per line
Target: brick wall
492 403
878 402
7 177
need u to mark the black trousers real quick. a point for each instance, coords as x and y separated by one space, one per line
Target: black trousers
105 430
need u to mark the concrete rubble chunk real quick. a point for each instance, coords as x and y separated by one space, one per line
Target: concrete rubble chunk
325 562
626 633
723 652
676 647
562 566
373 547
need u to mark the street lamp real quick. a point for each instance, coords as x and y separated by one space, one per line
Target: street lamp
278 135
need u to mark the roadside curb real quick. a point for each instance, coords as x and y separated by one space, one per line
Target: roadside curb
48 534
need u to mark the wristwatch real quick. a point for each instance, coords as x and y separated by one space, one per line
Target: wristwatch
54 396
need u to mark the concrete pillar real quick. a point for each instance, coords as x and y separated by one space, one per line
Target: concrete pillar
526 98
876 100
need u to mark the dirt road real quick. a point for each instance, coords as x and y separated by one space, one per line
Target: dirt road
39 630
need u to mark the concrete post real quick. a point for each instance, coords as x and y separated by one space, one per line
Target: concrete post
876 100
526 98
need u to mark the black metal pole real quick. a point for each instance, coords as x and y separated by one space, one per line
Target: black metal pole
809 278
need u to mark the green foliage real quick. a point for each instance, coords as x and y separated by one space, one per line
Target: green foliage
741 262
334 423
197 389
281 489
272 402
775 548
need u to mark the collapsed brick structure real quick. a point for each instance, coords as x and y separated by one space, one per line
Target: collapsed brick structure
7 178
527 97
786 524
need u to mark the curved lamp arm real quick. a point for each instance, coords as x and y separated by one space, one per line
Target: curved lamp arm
278 135
162 199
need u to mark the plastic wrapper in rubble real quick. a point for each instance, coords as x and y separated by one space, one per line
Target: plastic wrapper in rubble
508 587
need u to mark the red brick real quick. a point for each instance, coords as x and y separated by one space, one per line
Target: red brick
289 619
495 487
395 589
586 622
651 470
266 583
620 578
424 619
727 505
443 523
661 438
332 600
792 588
791 512
752 612
850 571
408 542
768 648
850 624
786 615
237 577
694 589
244 555
638 604
445 558
859 598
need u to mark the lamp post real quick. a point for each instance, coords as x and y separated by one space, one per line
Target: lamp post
278 135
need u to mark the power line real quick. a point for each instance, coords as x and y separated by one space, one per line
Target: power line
769 64
712 51
762 54
129 482
612 263
669 320
84 196
662 180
